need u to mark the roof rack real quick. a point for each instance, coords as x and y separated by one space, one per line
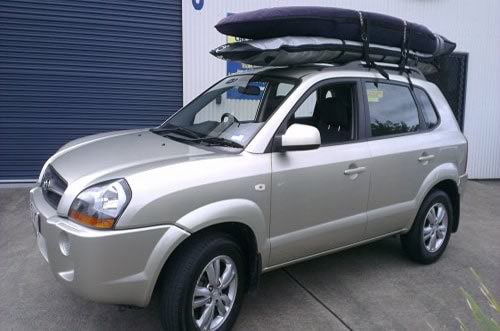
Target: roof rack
357 65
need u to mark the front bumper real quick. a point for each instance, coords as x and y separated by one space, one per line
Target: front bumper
111 266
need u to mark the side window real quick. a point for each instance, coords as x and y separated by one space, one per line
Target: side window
392 109
275 95
428 109
330 108
306 109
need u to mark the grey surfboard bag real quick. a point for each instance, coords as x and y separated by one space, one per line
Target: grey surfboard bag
286 51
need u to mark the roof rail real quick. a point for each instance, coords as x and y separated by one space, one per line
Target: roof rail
357 65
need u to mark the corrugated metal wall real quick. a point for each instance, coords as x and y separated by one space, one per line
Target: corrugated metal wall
74 68
472 24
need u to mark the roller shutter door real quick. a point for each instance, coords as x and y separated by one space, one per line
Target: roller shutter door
74 68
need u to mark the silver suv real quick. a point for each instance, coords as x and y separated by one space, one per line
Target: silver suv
264 169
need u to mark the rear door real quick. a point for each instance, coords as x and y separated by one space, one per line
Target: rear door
404 151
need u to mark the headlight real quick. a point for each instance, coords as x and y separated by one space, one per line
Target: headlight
100 206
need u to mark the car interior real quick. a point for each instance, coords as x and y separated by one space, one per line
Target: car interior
332 113
330 109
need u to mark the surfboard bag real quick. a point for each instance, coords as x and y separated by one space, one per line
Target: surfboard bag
298 35
287 51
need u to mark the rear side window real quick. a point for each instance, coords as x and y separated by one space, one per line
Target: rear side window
392 109
428 109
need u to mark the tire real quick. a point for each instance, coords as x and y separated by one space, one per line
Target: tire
422 250
187 269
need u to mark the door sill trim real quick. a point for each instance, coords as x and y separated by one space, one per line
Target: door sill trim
330 251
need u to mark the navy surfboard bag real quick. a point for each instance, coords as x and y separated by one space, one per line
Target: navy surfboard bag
299 35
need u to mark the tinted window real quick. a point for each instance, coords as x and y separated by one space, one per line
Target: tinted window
330 109
392 109
427 108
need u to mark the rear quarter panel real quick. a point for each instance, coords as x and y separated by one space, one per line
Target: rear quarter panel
450 145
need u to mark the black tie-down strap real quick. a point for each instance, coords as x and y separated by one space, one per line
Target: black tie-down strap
404 53
404 49
366 46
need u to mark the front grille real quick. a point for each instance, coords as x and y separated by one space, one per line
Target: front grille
53 186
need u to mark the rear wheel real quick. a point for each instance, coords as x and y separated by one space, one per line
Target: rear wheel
203 285
429 236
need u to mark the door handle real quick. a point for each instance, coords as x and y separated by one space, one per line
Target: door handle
426 158
354 171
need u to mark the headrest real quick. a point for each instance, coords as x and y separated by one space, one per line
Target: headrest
334 111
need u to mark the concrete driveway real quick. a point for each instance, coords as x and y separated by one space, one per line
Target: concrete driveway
373 287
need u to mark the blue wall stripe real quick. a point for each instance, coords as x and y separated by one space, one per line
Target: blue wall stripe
74 68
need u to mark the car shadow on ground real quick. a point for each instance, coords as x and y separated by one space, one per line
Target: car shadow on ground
278 301
276 304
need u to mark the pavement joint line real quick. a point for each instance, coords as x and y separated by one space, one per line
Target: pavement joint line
317 299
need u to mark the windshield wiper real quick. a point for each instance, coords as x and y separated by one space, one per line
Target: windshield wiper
211 141
177 129
219 141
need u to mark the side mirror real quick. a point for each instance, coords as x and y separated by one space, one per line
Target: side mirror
299 137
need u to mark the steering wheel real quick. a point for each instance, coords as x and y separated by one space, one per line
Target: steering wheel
230 119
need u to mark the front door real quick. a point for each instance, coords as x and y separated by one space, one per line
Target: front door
319 197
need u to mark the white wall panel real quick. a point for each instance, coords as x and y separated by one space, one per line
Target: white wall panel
474 25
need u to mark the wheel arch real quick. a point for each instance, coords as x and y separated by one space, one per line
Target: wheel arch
243 235
446 178
241 219
241 211
450 187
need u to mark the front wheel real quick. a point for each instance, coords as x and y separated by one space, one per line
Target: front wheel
203 285
429 236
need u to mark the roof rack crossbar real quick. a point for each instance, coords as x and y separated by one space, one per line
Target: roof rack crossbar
415 72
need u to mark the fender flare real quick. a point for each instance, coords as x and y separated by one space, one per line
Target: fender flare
233 210
445 171
163 249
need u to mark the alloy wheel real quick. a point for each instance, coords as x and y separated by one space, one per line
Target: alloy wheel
215 293
435 227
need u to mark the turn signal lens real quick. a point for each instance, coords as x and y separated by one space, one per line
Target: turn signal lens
91 221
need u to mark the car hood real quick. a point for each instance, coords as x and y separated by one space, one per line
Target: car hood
117 154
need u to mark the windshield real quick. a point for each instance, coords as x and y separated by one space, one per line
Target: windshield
230 113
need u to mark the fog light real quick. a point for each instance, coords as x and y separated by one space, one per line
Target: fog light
64 244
